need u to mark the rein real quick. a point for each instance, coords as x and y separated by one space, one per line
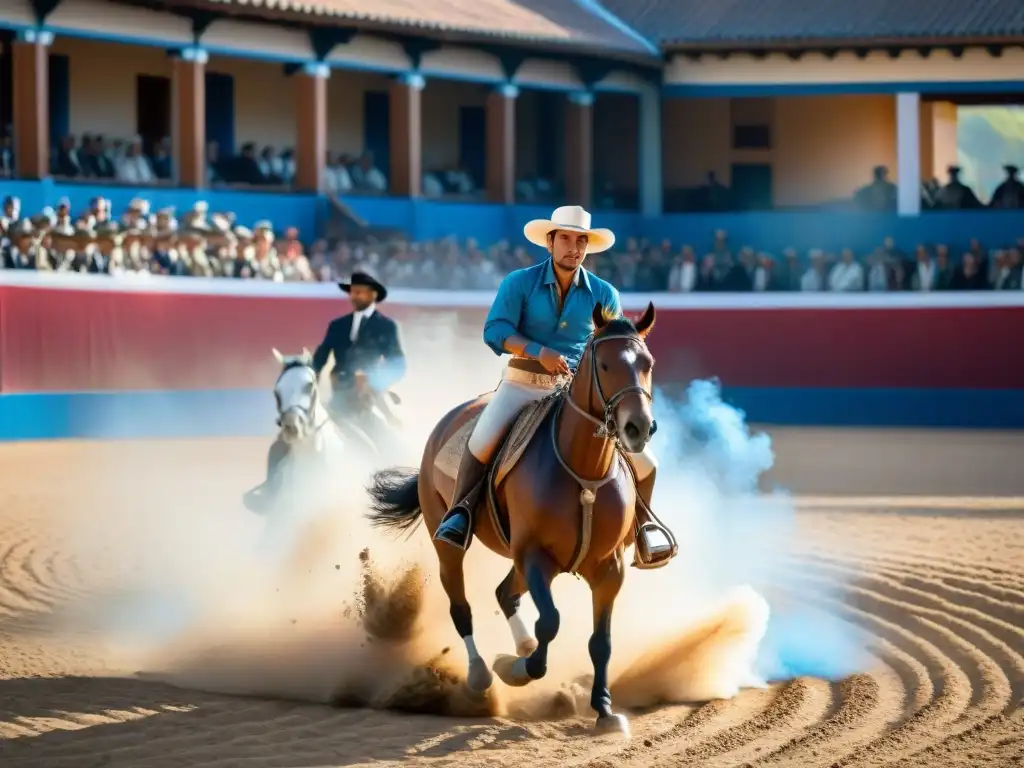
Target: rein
606 429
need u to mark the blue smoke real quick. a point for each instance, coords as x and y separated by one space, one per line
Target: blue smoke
713 468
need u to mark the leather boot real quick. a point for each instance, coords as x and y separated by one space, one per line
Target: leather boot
456 527
653 548
261 498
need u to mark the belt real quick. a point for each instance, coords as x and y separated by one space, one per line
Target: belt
525 371
528 365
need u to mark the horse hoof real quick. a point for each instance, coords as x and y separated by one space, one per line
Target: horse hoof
511 670
527 646
479 678
612 724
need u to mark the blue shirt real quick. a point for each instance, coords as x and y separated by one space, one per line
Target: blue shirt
527 305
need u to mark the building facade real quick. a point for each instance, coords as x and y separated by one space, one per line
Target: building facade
620 106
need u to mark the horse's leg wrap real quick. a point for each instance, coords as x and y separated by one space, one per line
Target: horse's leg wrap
509 594
648 523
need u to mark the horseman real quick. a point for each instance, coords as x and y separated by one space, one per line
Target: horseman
368 360
542 317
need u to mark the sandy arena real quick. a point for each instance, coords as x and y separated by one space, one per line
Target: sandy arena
118 557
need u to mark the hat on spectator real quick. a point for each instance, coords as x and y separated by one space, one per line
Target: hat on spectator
571 218
62 233
243 233
222 237
64 202
22 228
220 222
139 205
263 225
134 234
85 233
1011 169
195 232
109 232
362 278
45 218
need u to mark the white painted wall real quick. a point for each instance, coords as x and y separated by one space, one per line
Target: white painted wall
940 67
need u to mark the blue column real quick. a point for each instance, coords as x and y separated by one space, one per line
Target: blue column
650 159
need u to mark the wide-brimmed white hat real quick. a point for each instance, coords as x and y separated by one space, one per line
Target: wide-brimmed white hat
573 218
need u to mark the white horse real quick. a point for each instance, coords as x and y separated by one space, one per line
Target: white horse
306 481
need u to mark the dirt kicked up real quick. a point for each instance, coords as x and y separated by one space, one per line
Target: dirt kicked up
343 654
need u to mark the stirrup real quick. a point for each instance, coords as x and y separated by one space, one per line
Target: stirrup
442 535
657 561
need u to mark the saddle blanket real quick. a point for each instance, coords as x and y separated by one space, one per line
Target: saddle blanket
513 446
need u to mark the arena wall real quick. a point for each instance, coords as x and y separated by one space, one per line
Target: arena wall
83 356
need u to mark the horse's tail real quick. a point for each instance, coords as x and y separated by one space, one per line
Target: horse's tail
395 499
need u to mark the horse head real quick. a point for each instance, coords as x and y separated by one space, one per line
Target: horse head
298 397
620 381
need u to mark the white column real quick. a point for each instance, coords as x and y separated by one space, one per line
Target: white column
908 154
649 161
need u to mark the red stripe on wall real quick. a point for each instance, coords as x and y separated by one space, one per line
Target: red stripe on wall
922 348
68 340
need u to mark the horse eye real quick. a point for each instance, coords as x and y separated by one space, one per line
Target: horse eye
604 366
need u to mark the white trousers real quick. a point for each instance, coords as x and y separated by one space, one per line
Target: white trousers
516 390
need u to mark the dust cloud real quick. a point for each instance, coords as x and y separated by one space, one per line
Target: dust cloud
318 607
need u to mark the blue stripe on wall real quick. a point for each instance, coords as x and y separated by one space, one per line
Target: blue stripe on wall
228 413
747 90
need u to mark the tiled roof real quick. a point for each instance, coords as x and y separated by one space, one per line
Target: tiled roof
763 23
551 22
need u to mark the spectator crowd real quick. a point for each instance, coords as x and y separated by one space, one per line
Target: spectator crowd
201 243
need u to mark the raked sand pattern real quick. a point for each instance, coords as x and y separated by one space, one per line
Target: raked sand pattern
935 585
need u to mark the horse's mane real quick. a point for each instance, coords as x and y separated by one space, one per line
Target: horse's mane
620 326
295 361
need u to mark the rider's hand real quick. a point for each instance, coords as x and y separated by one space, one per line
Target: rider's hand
362 382
553 362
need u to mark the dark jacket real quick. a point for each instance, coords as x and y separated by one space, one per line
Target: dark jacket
377 351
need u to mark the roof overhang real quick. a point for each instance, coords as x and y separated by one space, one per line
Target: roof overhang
206 11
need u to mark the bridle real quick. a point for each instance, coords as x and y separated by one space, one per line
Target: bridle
314 400
606 426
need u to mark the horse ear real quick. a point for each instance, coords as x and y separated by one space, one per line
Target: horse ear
600 321
278 356
307 354
646 323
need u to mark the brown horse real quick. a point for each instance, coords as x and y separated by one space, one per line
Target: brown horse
568 497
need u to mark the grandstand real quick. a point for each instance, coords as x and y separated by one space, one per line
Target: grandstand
467 119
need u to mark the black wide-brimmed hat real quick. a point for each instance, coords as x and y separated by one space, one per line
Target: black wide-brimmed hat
361 278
